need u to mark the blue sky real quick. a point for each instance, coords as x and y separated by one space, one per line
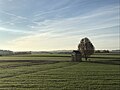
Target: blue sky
58 24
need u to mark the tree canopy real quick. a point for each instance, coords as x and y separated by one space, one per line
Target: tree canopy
86 47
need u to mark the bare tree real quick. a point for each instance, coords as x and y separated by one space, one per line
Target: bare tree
86 48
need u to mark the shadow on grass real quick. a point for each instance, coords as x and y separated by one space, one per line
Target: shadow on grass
111 62
37 62
25 63
106 57
32 61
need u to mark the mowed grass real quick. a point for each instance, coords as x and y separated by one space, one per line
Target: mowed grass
57 72
56 57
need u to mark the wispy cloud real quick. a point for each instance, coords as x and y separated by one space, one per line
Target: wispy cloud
11 14
45 27
79 22
11 30
13 18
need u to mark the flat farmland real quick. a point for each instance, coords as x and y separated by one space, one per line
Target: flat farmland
57 72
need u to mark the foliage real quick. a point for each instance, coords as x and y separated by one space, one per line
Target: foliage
102 51
86 47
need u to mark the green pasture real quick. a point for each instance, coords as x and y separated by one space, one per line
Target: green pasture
57 72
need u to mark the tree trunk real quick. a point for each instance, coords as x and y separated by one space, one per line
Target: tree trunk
85 57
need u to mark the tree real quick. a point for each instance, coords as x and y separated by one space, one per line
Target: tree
97 51
86 48
105 51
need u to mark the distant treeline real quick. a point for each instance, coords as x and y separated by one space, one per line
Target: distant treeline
52 52
25 52
102 51
66 52
5 52
8 52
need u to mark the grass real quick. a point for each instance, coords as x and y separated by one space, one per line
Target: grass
56 72
42 55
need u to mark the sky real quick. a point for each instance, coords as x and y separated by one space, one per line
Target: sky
44 25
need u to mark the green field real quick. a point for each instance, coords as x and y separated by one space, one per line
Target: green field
57 72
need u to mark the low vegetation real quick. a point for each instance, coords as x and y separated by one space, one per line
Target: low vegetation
57 72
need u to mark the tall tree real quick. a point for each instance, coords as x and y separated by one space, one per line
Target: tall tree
86 48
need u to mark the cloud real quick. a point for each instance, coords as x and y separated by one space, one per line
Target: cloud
11 0
79 23
12 30
64 32
12 19
50 11
42 42
76 25
11 14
